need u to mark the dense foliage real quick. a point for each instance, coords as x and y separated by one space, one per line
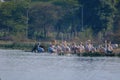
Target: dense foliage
60 19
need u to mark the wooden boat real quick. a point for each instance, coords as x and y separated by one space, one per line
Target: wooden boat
85 54
96 54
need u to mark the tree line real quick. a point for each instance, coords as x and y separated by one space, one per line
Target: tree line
60 19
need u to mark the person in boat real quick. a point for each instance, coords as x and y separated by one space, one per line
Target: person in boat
65 47
40 49
52 49
81 48
74 48
35 47
105 46
109 48
114 46
59 48
101 49
89 47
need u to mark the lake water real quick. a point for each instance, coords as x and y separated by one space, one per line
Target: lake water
20 65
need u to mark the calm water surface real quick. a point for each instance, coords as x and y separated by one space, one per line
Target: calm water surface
19 65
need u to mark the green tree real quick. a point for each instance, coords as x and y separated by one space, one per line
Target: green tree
117 23
13 17
42 19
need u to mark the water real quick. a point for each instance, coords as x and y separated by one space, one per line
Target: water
19 65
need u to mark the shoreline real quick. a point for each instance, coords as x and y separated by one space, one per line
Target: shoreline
16 45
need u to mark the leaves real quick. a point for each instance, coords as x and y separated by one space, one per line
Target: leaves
50 18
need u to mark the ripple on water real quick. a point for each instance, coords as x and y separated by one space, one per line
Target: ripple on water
19 65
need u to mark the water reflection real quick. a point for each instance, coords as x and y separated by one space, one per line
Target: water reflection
19 65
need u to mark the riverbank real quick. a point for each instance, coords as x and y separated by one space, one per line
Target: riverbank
26 46
16 45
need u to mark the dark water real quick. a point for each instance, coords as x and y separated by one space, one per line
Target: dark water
19 65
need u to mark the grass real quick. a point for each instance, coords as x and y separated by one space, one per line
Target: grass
26 46
14 45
